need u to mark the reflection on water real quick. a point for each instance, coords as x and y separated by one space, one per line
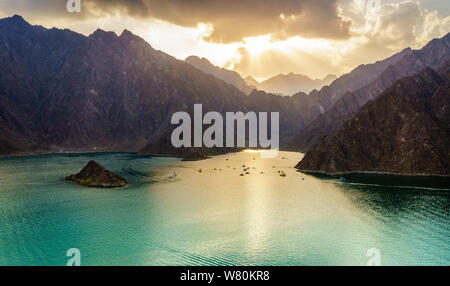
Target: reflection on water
217 217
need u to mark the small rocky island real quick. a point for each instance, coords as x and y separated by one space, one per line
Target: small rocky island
95 175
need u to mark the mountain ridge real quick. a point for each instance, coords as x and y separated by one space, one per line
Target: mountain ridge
226 75
292 83
62 91
431 55
404 131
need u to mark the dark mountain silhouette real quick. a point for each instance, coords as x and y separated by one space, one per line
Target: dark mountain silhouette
432 55
311 105
320 101
403 131
226 75
62 91
291 83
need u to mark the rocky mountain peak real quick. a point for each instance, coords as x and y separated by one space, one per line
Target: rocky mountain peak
17 19
105 36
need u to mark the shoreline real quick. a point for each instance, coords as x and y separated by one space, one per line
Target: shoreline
311 172
188 157
371 173
31 154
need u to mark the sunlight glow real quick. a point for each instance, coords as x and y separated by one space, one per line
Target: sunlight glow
377 31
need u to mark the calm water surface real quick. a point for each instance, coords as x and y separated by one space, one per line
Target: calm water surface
216 217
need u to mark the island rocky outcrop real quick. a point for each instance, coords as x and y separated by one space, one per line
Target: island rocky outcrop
95 175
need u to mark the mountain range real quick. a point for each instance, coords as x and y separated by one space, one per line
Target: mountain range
432 55
61 91
291 83
282 84
406 130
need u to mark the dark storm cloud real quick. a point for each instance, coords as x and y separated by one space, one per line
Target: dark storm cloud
232 20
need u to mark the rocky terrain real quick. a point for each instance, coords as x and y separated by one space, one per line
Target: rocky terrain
62 91
95 175
432 55
403 131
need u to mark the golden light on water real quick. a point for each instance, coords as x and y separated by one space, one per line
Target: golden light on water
253 151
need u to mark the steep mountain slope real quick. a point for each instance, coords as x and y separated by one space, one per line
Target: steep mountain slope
61 91
226 75
288 84
318 102
324 99
403 131
432 55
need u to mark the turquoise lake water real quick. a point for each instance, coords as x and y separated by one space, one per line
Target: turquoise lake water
213 216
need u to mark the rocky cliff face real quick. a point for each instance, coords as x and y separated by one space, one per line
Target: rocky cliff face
63 91
403 131
322 100
434 54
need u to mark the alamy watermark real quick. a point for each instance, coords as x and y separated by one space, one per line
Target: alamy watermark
75 257
374 255
214 135
73 6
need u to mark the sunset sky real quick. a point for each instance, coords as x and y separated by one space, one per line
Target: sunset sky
260 38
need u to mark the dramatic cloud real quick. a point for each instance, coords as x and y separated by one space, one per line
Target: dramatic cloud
258 37
397 25
230 20
39 9
377 32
